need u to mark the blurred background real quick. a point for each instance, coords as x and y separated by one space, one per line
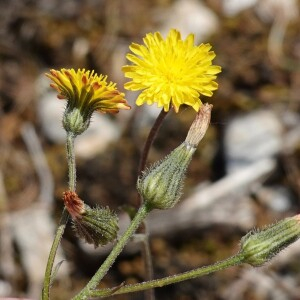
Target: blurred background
245 173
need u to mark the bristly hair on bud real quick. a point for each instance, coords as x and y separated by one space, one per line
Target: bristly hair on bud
260 246
97 226
160 186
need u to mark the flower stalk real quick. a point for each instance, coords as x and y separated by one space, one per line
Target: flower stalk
49 268
152 134
257 248
64 218
146 253
221 265
71 161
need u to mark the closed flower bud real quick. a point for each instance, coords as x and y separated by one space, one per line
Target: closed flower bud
258 247
160 186
97 226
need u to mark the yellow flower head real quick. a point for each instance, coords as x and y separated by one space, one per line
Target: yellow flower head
85 88
171 71
85 92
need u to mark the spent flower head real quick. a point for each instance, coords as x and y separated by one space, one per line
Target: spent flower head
97 226
85 92
171 71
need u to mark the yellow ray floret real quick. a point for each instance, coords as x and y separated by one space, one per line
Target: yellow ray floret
88 91
171 72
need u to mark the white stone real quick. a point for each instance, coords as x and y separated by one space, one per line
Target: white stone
190 16
96 139
269 10
251 137
50 112
5 288
233 7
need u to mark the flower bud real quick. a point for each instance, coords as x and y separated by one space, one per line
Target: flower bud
97 226
258 247
161 185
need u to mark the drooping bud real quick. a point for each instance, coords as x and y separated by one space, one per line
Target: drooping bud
258 247
160 185
97 226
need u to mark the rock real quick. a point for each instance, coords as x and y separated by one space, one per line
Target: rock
5 288
97 138
267 10
277 198
50 111
252 137
270 10
190 16
233 7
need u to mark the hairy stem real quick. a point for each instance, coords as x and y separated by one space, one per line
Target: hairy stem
145 244
146 254
64 218
71 161
49 268
229 262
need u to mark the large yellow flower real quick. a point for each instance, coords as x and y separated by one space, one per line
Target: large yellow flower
85 92
171 71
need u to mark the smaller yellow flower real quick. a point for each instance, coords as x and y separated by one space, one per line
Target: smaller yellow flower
171 71
85 92
87 88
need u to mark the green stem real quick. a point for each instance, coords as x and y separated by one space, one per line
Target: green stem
146 254
229 262
58 236
64 218
149 295
139 217
71 161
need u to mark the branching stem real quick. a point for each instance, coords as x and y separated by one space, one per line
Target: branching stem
92 284
229 262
